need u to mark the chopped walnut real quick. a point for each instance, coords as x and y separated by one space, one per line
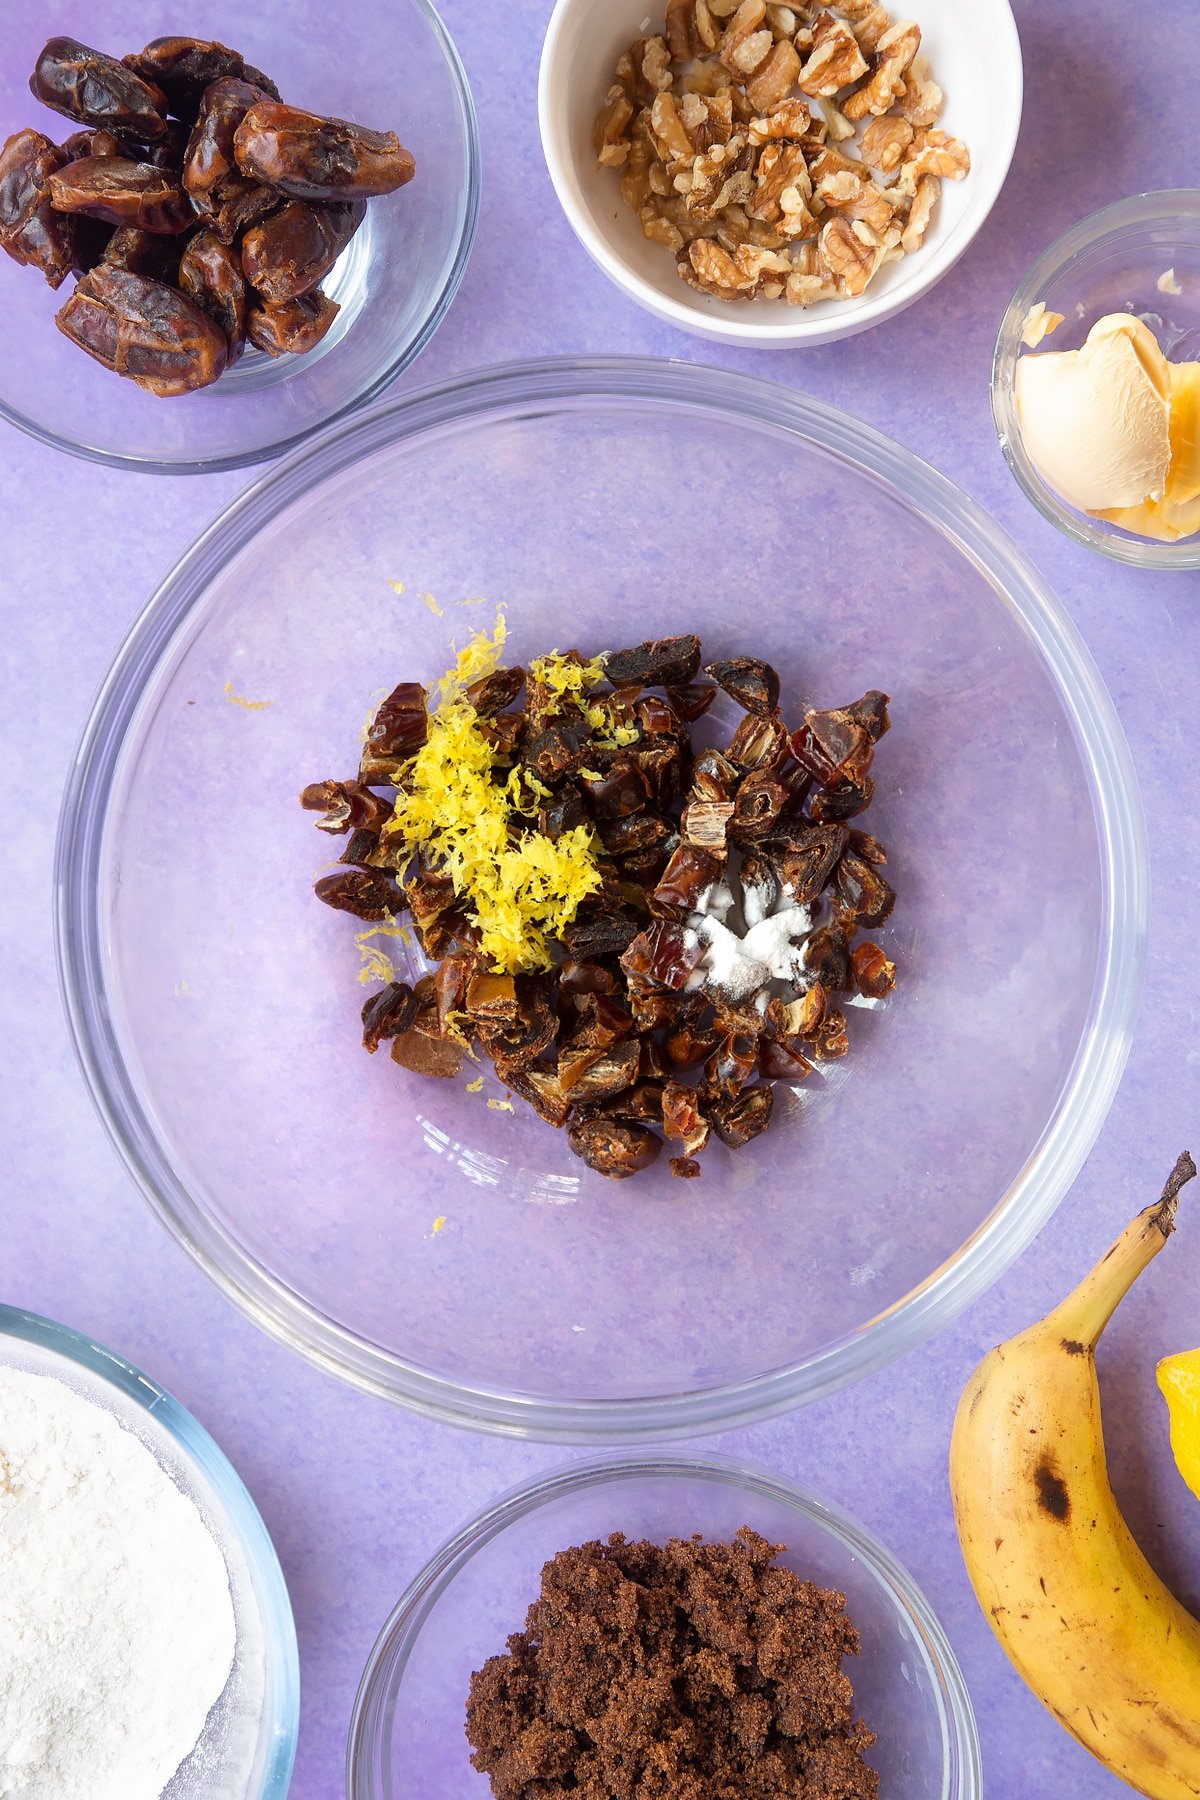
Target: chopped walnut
670 135
779 150
922 99
933 153
789 119
775 79
885 142
610 135
740 273
919 213
856 195
835 60
848 250
897 47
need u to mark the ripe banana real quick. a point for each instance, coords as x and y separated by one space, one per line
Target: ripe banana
1078 1609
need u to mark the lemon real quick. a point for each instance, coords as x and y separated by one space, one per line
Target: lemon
1179 1379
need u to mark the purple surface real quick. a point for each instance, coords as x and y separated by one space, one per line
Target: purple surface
357 1495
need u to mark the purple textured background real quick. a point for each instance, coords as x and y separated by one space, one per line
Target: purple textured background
358 1495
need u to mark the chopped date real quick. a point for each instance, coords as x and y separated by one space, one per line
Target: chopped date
401 723
97 90
124 193
752 683
492 693
295 248
740 1117
759 742
659 662
144 330
91 143
237 204
664 955
345 806
874 974
425 1053
614 1147
619 790
841 800
693 701
760 800
388 1014
605 934
168 153
632 1036
367 893
831 1042
805 860
827 959
294 327
864 892
312 158
871 712
31 231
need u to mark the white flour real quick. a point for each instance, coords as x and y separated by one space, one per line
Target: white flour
116 1624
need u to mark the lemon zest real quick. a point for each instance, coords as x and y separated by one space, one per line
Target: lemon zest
524 888
241 700
473 1087
501 1105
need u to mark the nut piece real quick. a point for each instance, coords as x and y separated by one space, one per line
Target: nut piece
922 100
896 50
934 153
919 213
849 254
885 142
836 59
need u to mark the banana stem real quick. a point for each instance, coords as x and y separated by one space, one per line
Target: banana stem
1082 1316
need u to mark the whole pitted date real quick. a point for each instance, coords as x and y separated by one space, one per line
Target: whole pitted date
296 247
210 273
293 327
97 90
144 330
209 160
206 210
311 158
30 229
183 67
124 193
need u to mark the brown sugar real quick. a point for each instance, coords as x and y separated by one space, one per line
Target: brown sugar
687 1672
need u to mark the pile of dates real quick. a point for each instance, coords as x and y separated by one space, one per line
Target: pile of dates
656 1021
196 209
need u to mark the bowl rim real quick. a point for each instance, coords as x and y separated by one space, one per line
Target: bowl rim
799 327
1087 1092
962 1768
402 359
282 1720
1108 223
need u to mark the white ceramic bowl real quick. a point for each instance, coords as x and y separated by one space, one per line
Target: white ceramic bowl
975 55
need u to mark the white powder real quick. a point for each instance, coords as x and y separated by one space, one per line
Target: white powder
117 1631
770 949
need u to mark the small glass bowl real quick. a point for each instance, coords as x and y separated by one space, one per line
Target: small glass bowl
1110 262
407 1738
393 68
248 1745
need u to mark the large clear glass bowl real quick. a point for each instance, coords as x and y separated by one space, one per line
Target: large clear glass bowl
215 1002
248 1744
407 1740
395 70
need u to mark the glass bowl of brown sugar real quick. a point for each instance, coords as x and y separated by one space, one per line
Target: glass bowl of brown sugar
408 1738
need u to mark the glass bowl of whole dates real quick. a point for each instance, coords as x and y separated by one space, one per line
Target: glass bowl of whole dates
212 245
623 942
825 1669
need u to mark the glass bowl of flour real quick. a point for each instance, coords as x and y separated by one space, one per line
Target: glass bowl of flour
147 1647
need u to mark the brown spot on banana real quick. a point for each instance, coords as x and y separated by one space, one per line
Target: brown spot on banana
1073 1347
1052 1494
